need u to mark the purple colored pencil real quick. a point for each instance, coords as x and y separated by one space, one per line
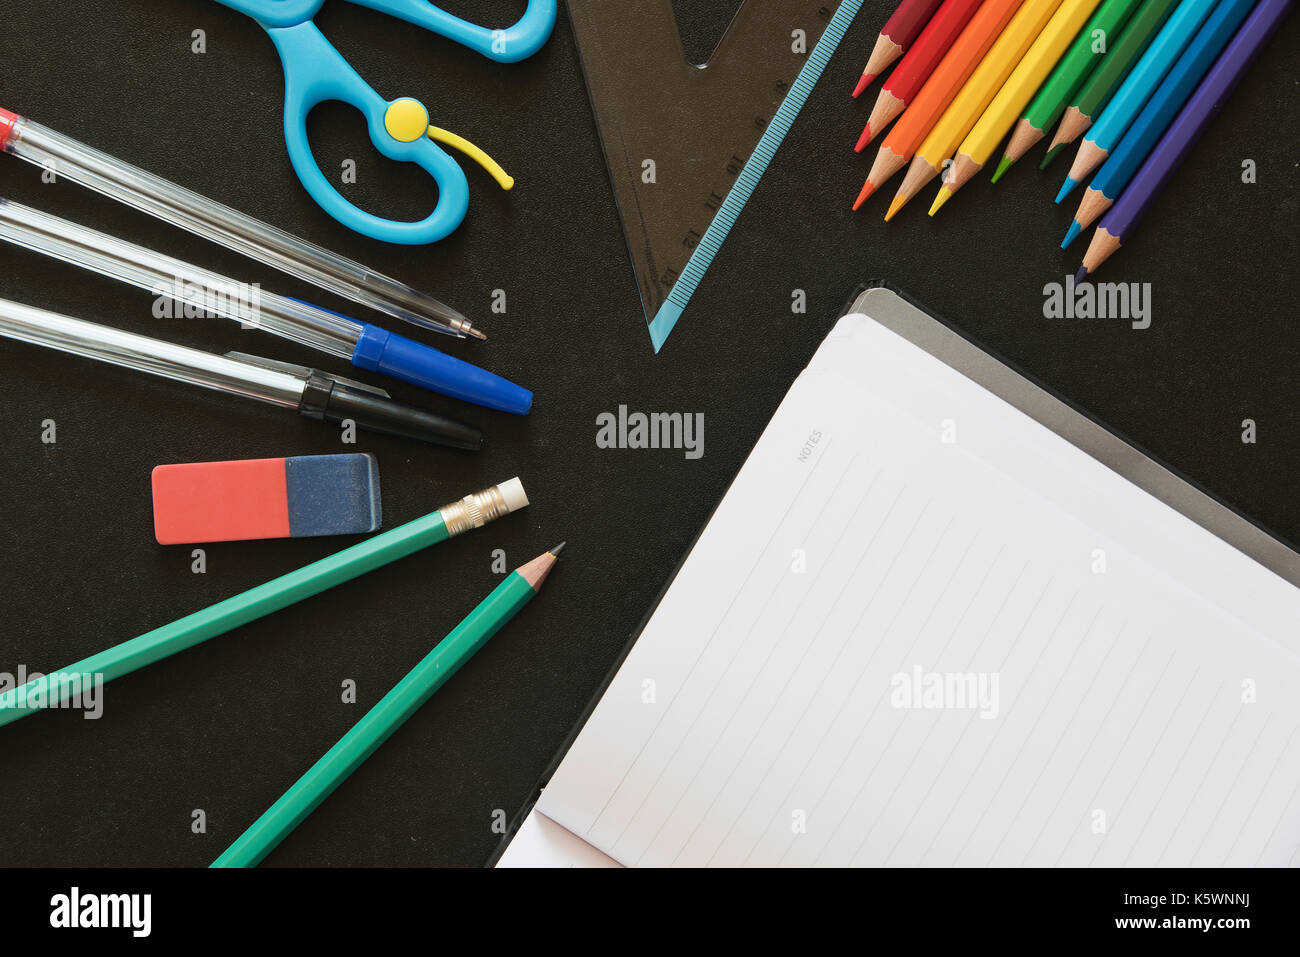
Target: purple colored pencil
1192 120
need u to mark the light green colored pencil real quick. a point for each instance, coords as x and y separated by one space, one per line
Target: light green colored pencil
390 713
1051 99
470 512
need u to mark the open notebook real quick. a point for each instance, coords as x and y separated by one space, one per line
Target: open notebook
925 627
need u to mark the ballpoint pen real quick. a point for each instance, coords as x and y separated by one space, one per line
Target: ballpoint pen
366 346
214 221
315 394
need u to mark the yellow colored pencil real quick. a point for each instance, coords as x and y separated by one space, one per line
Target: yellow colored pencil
973 98
1002 113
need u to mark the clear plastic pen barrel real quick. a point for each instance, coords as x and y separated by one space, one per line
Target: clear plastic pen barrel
165 359
176 279
235 230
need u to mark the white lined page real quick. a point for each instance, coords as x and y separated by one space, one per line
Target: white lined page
752 722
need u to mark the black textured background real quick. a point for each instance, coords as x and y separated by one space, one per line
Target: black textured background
227 726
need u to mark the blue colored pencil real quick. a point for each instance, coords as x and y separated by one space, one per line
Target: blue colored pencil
1137 89
1159 112
1117 226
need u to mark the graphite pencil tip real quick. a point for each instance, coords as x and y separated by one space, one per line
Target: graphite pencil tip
1004 164
1066 189
1075 228
555 551
864 81
867 189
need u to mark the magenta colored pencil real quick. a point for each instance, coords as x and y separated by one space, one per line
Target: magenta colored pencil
1192 120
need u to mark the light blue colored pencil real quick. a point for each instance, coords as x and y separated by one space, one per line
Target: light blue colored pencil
1137 88
1123 162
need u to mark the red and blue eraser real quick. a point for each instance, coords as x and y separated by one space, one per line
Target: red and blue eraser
292 497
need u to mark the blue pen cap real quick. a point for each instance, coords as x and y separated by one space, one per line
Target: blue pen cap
379 350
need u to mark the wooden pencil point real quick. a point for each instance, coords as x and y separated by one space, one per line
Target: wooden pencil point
885 165
1073 125
884 112
535 571
1089 157
864 138
961 172
1022 140
1093 204
885 52
1101 248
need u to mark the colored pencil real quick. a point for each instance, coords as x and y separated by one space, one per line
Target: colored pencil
1159 112
915 68
902 27
378 724
1136 90
948 78
976 94
1050 100
1001 113
1118 224
1108 75
473 511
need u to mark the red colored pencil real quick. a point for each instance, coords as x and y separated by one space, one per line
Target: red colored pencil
915 68
896 36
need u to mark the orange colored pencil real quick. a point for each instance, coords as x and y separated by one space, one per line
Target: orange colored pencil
938 93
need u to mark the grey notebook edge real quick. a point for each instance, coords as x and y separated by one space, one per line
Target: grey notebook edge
921 329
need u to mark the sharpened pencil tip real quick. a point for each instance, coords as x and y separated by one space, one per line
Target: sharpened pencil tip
1066 188
1071 233
555 551
1081 275
863 140
867 189
899 202
945 194
864 81
1051 154
1004 164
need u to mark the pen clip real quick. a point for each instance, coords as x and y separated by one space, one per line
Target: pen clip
304 371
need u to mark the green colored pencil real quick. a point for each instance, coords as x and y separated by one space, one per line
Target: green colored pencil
1109 74
389 714
470 512
1050 100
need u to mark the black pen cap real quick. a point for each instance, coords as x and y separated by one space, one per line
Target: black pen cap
332 401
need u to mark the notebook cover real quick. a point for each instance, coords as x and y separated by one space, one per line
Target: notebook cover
898 313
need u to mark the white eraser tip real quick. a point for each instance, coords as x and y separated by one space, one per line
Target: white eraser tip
513 493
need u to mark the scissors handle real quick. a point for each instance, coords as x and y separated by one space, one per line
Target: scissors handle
506 45
315 72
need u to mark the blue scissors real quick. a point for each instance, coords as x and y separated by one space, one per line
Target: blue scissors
314 71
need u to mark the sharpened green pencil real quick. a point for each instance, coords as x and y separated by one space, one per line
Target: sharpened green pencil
1050 100
472 511
390 713
1108 74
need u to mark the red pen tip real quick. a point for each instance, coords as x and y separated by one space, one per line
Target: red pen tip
864 81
